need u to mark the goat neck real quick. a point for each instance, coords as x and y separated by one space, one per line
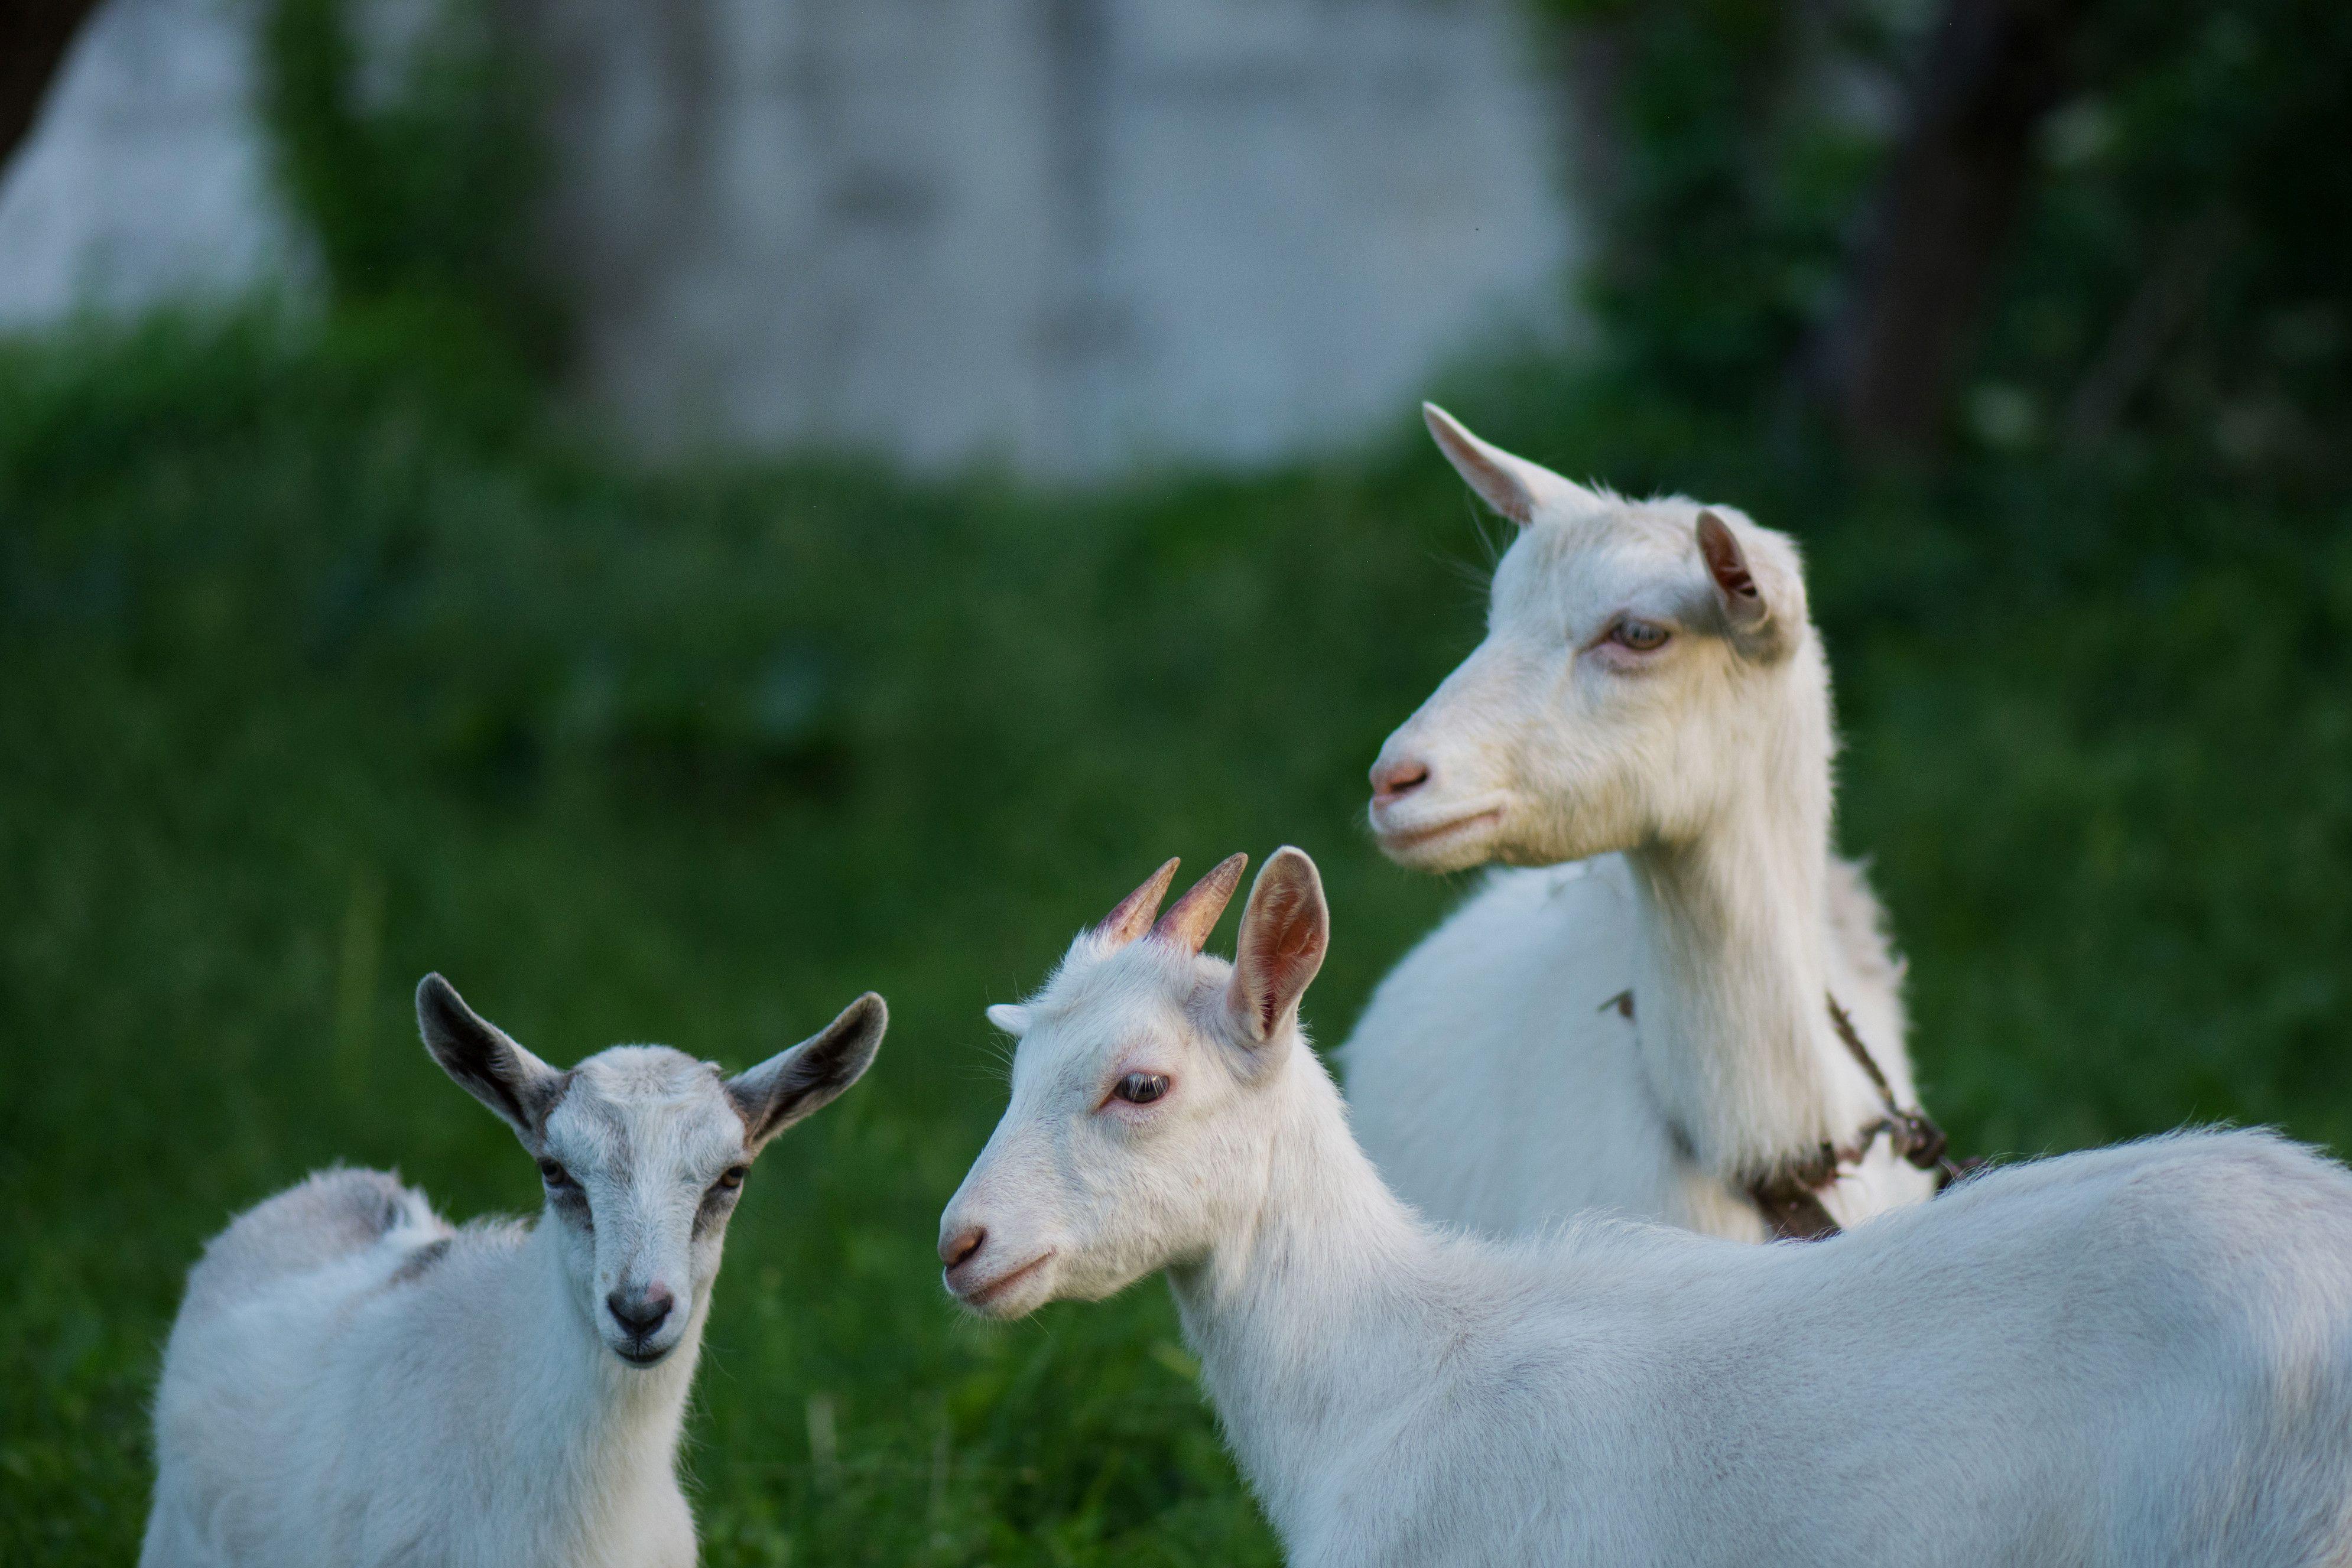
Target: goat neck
1312 1308
622 1424
1732 979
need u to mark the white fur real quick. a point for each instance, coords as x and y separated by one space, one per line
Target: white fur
2137 1356
351 1381
1688 791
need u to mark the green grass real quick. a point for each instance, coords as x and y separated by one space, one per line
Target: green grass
318 671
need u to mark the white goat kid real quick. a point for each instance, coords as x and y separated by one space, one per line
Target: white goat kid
1646 1029
2138 1356
351 1381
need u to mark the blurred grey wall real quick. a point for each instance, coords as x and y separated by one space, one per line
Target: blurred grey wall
146 178
1072 236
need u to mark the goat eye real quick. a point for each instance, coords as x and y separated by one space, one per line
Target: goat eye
1140 1088
730 1179
1638 635
556 1176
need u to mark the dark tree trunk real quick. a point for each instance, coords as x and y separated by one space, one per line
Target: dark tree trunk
33 39
1991 72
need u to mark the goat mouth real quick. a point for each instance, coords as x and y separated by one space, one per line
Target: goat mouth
1396 839
982 1295
640 1356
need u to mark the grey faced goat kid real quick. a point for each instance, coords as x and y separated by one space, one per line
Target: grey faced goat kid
353 1381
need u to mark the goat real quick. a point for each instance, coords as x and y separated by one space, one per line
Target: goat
353 1381
2135 1356
1651 706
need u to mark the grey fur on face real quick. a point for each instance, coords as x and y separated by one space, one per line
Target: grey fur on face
642 1150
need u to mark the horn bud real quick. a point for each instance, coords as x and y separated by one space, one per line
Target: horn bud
1191 918
1133 915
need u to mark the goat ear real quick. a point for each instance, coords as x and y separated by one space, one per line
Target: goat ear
792 1084
485 1061
1133 914
1191 918
1742 602
1512 486
1010 1016
1286 929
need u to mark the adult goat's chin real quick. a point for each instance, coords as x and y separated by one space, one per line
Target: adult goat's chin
1428 837
1012 1293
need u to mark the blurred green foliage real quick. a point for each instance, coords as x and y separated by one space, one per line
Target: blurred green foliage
2190 253
412 158
2183 270
1739 139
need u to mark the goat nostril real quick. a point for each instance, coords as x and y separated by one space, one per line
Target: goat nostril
955 1249
1391 780
643 1315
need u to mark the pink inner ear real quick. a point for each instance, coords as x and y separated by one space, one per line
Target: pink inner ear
1724 562
1501 491
1283 965
1282 947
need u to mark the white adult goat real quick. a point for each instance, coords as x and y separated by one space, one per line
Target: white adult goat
350 1381
1647 1030
2137 1357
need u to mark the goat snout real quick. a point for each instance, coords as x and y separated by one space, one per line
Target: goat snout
957 1249
1392 779
641 1312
